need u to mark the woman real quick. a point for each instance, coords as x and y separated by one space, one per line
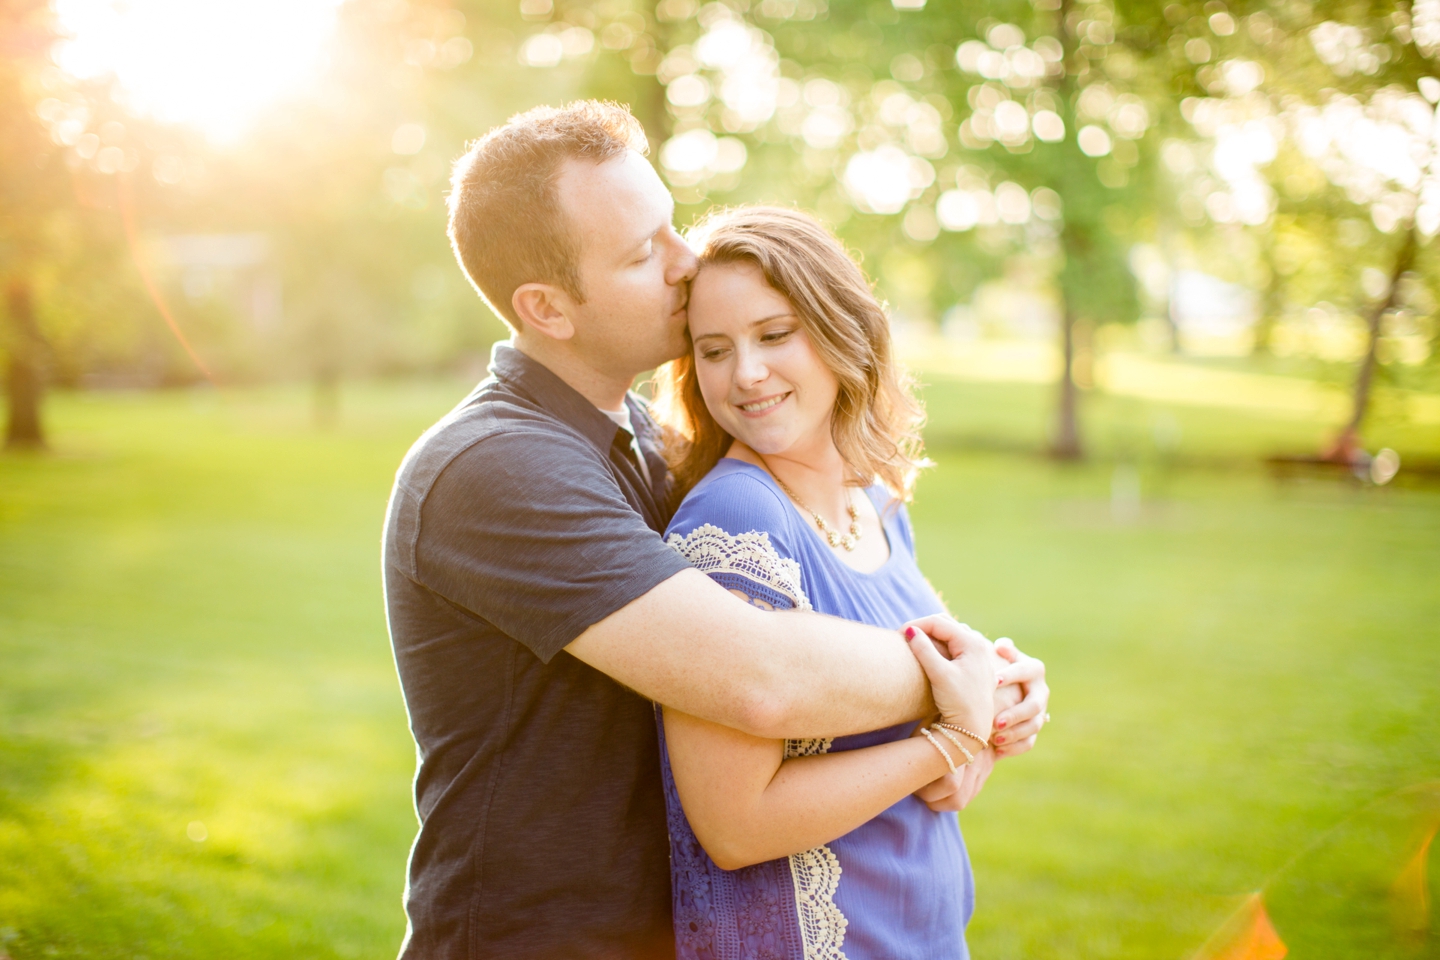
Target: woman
797 439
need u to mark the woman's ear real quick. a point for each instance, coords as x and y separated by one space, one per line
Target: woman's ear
545 309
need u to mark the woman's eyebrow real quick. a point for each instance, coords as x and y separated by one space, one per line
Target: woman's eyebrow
753 323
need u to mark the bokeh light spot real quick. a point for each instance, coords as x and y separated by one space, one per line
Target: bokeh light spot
216 65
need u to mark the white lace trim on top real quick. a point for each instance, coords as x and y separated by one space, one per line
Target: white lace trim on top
749 555
815 873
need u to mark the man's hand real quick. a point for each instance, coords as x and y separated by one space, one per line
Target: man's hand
1016 727
954 791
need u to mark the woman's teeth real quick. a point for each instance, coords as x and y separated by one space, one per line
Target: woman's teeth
762 404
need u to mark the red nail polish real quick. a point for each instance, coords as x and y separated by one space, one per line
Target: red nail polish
1000 724
909 633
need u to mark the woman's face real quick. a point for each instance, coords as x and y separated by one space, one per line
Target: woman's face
758 371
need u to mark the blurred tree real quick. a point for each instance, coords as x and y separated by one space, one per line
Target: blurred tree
1351 89
1347 446
31 187
950 144
849 106
24 370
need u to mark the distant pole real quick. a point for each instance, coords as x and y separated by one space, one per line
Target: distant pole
23 380
1346 447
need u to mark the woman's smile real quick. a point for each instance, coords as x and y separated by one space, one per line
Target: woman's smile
759 408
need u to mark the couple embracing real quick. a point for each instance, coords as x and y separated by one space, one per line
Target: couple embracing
677 683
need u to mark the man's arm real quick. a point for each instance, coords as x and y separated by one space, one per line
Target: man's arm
691 645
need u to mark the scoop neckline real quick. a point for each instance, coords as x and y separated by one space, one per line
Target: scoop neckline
815 534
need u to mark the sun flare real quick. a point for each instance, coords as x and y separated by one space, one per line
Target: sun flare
216 64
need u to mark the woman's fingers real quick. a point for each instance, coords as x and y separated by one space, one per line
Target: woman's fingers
959 637
1011 717
1015 749
1023 670
967 785
1017 732
1005 647
930 659
939 791
963 688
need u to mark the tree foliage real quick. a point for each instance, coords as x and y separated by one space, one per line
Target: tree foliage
1052 143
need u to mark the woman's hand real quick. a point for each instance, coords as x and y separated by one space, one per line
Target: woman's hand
1017 726
954 791
963 687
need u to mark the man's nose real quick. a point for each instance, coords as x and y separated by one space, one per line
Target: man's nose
683 262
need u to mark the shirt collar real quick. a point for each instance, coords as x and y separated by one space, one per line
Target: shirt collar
509 365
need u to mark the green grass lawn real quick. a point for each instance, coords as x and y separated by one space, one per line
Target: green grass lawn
203 749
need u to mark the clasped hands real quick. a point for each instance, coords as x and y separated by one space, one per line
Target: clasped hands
1021 699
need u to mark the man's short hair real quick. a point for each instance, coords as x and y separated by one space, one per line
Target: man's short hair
506 225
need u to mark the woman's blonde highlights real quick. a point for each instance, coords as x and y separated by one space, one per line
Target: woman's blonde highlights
877 418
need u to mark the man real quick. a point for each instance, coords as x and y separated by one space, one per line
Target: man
535 612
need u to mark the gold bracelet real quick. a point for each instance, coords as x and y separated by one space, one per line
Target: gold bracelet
969 757
959 729
936 744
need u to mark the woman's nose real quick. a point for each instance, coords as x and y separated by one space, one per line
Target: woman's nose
749 370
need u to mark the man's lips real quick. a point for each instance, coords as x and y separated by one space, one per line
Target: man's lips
755 408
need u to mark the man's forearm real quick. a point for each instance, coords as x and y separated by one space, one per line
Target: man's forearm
691 645
837 677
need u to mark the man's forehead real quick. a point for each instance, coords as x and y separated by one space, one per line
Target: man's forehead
617 196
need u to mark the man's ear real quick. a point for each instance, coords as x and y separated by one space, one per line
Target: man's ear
545 309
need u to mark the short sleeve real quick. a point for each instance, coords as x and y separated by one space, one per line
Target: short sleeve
735 529
530 532
902 523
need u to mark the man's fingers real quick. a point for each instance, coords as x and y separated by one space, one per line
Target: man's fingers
1007 697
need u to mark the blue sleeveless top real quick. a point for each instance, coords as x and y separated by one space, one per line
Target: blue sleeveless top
896 888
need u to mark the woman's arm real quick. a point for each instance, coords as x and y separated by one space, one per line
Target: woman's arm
748 804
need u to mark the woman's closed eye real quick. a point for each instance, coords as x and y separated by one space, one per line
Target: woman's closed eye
713 353
776 336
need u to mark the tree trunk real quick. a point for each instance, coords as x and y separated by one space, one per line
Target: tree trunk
23 380
1066 443
1346 448
650 107
1271 304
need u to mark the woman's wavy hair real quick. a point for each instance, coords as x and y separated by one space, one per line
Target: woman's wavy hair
877 418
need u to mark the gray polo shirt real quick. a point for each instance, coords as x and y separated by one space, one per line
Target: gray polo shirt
516 522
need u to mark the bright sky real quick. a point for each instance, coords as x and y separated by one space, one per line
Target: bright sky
213 63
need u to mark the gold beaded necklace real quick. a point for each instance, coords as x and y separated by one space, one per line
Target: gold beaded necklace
835 538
